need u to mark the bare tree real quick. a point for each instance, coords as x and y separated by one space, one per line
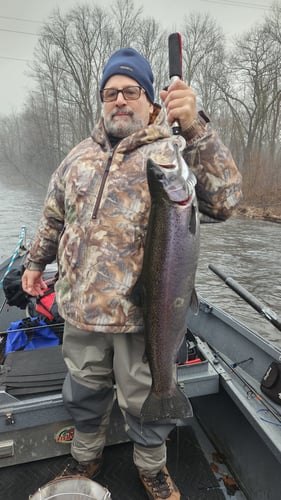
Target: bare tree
47 72
272 30
82 39
126 22
252 91
11 142
15 152
202 40
240 88
273 22
152 42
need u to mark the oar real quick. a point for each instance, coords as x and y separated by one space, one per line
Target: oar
265 311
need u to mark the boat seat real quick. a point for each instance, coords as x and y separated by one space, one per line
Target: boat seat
33 371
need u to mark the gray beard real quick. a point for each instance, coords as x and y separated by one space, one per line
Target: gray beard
122 130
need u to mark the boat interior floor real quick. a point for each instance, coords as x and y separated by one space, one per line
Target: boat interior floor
199 475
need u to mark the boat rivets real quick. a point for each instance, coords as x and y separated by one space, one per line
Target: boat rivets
216 360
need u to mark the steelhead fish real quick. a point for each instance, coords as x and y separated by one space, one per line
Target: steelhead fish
166 285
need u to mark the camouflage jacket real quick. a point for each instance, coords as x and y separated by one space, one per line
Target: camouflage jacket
96 213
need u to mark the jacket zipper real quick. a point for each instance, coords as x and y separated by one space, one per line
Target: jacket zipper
104 177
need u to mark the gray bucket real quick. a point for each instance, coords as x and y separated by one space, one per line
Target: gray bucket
71 488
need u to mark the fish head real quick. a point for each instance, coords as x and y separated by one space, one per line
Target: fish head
169 181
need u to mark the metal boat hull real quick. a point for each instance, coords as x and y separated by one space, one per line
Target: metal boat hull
37 426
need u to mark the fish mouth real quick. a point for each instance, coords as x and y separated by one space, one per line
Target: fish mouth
178 189
177 183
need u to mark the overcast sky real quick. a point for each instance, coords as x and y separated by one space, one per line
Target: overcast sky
20 20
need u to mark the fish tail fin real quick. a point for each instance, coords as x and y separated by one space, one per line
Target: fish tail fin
172 406
194 302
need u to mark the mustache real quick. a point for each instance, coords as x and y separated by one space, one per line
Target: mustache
116 111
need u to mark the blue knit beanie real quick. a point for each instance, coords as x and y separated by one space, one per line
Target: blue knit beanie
130 63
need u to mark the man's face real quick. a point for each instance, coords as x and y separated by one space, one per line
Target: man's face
123 117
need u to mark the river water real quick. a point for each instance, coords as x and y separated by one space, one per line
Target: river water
248 250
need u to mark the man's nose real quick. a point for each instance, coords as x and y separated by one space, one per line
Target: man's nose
120 98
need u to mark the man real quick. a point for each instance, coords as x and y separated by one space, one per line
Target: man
94 222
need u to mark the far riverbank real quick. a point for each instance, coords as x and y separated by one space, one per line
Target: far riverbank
271 214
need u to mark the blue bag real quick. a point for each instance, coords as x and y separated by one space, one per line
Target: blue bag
41 335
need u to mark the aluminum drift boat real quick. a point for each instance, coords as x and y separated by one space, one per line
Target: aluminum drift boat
232 419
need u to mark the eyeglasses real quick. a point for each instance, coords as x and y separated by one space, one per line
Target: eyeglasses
131 93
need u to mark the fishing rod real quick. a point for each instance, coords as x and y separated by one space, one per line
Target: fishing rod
175 73
21 244
265 311
27 328
175 66
272 410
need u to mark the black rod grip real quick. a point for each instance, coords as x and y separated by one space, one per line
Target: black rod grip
175 55
265 311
